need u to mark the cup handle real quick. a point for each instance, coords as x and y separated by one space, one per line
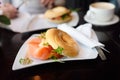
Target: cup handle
90 14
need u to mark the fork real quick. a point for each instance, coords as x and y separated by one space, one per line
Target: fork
101 53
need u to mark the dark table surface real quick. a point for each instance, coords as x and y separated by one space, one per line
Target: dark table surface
94 69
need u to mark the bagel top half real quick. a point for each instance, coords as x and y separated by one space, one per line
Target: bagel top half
57 38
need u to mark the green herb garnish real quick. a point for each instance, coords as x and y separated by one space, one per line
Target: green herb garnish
46 44
56 59
64 16
25 61
42 35
59 50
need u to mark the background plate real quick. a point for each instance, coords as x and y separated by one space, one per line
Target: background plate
26 22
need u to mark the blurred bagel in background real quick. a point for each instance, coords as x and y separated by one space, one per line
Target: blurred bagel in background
58 15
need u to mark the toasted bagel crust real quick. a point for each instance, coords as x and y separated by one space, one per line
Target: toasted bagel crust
56 38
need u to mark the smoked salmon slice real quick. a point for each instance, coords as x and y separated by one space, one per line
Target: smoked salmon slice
36 51
34 40
40 52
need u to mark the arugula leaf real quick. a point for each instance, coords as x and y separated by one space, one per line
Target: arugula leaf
5 20
64 16
56 59
59 50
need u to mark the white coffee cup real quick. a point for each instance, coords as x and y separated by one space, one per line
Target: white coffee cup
101 11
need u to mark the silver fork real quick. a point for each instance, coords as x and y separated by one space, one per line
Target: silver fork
101 53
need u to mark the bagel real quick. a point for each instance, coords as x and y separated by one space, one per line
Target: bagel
67 19
58 15
56 38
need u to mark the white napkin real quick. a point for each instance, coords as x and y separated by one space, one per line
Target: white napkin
86 29
82 34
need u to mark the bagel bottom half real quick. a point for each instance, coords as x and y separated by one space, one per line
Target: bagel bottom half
57 38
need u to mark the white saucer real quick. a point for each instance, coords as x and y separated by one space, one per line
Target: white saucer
95 22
